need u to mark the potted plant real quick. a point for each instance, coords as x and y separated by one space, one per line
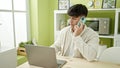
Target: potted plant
21 48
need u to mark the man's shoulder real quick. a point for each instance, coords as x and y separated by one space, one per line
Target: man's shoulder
65 29
91 31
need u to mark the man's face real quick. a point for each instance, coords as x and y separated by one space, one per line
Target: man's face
74 21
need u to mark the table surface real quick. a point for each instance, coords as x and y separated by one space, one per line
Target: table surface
77 63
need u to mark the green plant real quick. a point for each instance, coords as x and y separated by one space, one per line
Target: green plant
22 44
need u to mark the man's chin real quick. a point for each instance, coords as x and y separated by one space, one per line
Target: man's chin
71 26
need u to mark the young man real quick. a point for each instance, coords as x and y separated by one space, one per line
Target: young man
77 41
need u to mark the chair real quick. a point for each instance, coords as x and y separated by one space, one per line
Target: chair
111 54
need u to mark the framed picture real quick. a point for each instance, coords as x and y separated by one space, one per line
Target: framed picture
109 4
63 4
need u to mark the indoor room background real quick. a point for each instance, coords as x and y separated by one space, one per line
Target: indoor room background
42 19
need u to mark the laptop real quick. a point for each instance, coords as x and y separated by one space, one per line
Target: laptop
43 56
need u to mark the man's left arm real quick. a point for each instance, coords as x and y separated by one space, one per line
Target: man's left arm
87 49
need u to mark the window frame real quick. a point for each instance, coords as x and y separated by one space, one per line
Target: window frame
13 17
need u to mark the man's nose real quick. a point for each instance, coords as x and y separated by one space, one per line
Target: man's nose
71 20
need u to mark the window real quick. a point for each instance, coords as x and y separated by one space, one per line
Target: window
13 22
7 5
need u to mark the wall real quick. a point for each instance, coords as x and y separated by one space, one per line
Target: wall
42 22
34 19
40 28
53 6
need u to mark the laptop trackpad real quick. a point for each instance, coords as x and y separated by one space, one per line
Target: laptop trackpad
60 63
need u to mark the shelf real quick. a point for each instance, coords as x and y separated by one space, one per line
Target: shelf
101 9
108 36
65 11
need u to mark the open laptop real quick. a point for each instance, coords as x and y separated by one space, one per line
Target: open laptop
43 57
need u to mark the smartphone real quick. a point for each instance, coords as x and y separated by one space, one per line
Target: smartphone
82 20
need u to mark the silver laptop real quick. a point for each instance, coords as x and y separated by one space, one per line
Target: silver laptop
43 57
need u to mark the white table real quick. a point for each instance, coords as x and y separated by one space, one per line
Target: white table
77 63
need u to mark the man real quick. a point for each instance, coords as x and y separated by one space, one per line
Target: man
77 41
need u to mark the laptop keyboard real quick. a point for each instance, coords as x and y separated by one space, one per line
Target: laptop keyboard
60 63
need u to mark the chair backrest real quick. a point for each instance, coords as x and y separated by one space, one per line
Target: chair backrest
101 48
111 54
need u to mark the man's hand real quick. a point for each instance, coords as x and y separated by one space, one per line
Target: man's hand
78 30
